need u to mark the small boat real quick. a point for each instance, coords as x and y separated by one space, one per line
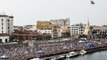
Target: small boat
72 54
82 52
59 57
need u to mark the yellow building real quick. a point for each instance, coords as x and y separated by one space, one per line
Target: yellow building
44 25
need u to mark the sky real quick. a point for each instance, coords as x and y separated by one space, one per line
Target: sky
30 11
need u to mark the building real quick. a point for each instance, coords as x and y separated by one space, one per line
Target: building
22 35
17 28
99 31
29 27
77 29
6 26
55 27
87 29
45 27
4 38
61 26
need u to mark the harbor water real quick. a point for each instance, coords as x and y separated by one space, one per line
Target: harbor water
101 55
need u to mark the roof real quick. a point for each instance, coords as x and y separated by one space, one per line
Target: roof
100 27
3 15
6 16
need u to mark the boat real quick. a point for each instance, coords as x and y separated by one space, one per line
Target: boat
72 54
83 52
59 57
35 59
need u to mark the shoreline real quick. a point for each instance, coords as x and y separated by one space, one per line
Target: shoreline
90 50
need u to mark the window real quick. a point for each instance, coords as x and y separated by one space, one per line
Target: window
8 31
8 27
2 20
2 27
0 40
8 20
2 23
6 40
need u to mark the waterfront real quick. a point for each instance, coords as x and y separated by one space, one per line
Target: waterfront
100 55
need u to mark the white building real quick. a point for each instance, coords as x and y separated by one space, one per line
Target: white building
77 29
6 26
45 31
4 38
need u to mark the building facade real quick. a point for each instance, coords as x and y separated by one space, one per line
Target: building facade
21 35
54 27
45 27
99 31
6 26
4 38
61 26
77 29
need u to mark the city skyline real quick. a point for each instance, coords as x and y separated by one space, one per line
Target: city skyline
30 11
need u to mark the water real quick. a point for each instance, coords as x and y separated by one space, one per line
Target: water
102 55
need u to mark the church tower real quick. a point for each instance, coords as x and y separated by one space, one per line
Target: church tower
88 31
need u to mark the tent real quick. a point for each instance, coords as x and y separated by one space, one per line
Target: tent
89 45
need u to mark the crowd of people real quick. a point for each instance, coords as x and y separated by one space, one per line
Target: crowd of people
24 51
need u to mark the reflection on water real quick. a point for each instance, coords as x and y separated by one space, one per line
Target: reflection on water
94 56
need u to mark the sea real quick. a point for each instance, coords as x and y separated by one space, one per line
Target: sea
100 55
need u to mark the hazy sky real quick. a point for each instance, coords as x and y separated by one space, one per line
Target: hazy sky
29 11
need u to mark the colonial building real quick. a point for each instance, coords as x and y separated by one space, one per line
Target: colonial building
45 27
6 27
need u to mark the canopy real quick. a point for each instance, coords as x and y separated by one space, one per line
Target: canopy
89 45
